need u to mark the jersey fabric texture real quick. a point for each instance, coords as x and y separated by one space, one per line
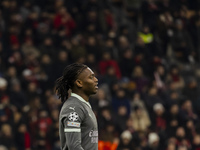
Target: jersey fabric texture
77 125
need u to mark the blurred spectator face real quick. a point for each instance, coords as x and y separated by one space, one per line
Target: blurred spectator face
59 3
175 71
28 32
3 84
129 123
22 128
140 41
174 96
192 84
123 41
91 28
128 54
122 111
29 42
48 42
6 4
81 60
33 15
91 41
17 57
3 116
172 140
6 130
136 96
43 114
106 56
63 56
190 124
171 146
138 71
187 105
158 109
11 71
110 71
13 4
45 59
15 47
106 114
182 148
32 87
3 147
174 109
120 93
153 139
16 87
138 111
153 91
161 70
92 15
196 139
109 43
126 137
35 103
180 132
110 128
146 29
179 25
101 94
55 114
91 58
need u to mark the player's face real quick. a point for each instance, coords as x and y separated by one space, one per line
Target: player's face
89 82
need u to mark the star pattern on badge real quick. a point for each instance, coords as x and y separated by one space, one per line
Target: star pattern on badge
73 116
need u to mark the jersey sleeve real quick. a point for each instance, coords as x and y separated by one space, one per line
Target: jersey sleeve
71 121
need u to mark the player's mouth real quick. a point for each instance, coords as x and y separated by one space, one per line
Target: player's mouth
96 86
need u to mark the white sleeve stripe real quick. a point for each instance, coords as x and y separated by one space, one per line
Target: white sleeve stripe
72 130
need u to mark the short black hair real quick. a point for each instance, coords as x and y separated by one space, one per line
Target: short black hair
66 81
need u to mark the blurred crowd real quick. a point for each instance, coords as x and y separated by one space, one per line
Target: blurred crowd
145 54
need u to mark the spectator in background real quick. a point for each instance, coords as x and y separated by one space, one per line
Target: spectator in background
23 140
175 77
140 120
159 118
126 141
106 62
127 63
153 141
182 44
6 137
196 142
120 99
139 78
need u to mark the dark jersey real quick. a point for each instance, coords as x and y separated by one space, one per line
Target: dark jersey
78 125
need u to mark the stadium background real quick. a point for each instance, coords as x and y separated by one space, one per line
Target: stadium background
145 54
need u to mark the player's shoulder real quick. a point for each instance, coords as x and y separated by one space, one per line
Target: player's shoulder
72 106
72 103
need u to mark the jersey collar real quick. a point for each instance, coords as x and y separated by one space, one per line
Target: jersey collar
80 98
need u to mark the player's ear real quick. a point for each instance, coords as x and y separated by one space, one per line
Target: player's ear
78 82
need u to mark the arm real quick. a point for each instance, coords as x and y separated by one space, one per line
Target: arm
73 136
71 122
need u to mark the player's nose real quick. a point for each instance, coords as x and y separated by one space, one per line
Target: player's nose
95 79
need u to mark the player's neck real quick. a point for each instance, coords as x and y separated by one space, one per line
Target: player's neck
83 95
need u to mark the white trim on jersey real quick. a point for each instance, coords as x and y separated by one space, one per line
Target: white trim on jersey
80 98
72 130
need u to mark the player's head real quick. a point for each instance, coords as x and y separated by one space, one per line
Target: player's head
77 77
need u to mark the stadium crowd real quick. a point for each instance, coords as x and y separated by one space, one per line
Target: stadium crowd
145 54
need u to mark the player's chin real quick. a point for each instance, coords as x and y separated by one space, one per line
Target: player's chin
95 90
